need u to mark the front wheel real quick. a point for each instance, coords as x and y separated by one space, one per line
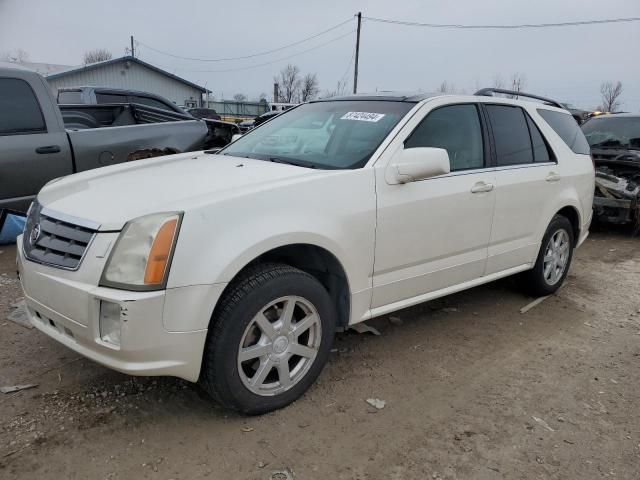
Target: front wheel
269 340
554 258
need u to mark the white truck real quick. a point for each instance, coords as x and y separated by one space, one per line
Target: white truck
235 269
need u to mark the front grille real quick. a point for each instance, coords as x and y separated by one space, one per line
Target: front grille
55 242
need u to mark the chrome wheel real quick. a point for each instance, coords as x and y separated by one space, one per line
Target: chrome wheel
279 346
556 257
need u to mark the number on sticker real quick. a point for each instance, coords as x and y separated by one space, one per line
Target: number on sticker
362 116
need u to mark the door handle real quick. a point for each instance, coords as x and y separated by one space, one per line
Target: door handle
482 187
48 149
553 177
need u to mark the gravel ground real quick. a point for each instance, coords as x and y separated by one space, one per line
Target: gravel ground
473 390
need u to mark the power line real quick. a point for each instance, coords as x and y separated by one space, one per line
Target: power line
265 63
267 52
346 72
503 27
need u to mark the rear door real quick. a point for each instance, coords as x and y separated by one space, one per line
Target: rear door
527 185
33 145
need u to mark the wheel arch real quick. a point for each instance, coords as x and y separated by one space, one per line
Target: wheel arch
572 214
312 258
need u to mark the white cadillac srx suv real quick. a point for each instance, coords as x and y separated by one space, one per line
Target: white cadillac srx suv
234 268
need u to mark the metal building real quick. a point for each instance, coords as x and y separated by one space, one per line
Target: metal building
133 74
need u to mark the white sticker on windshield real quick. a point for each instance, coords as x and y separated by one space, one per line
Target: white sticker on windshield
362 116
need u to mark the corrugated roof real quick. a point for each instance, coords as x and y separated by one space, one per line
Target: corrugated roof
93 66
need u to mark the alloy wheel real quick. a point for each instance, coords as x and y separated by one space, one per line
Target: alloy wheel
279 345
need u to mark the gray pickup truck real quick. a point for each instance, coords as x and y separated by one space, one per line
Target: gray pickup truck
40 141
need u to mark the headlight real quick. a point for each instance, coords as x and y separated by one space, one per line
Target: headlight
142 255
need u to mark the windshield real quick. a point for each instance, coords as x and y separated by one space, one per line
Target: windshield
327 135
613 132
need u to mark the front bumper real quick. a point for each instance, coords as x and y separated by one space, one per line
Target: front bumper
66 307
614 210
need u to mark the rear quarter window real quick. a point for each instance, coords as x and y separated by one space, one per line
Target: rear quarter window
567 129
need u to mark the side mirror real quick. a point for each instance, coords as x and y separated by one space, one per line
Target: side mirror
235 136
413 164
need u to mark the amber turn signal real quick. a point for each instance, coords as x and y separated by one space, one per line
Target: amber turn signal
160 252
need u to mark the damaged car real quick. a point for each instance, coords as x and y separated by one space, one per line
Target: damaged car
235 269
615 147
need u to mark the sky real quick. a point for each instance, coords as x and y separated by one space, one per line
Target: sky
568 64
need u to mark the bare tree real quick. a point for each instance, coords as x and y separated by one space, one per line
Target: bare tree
446 87
289 83
498 82
262 97
97 55
518 82
309 87
240 97
340 89
610 94
17 56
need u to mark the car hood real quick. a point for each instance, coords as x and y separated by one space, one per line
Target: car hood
613 154
111 196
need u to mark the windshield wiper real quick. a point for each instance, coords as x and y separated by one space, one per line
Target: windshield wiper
291 162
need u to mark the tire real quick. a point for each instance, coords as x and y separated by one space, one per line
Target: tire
275 319
542 280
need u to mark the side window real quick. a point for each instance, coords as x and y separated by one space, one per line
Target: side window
110 98
567 129
456 128
541 151
19 108
511 135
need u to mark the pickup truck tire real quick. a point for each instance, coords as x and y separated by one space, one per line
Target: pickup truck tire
554 259
269 339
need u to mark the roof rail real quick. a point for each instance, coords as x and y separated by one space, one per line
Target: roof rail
488 92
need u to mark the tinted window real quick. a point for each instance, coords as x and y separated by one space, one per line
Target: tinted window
19 108
511 135
541 151
70 97
110 98
331 134
455 128
613 132
567 129
152 102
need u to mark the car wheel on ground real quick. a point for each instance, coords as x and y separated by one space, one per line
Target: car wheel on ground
269 339
554 258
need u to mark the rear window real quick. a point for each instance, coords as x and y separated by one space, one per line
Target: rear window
70 97
19 108
567 129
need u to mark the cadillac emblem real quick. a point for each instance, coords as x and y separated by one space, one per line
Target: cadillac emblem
35 234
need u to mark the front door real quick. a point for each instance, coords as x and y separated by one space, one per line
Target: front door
30 155
433 234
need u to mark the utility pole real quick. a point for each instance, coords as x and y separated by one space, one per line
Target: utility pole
355 71
133 52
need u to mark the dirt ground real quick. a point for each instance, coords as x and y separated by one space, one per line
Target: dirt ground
473 388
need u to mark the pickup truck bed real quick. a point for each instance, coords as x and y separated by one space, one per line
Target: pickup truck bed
40 141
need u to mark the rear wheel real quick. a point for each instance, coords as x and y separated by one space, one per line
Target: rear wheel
554 258
269 340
